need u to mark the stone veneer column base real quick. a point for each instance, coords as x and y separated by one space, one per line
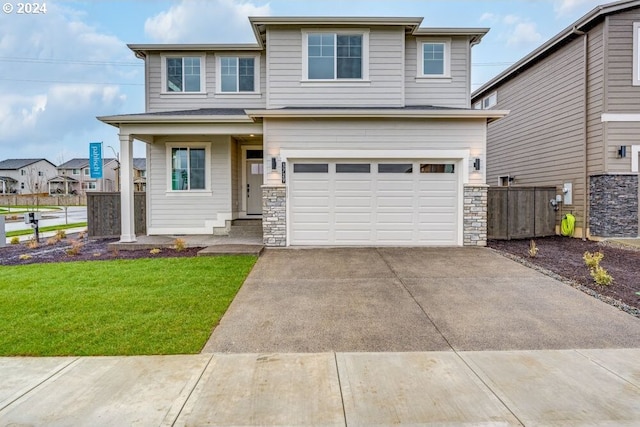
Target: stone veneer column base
613 205
475 215
274 215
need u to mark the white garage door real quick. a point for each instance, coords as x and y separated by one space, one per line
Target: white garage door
373 202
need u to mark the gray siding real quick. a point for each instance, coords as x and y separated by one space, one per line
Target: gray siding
621 95
157 101
452 92
185 212
381 134
541 141
285 73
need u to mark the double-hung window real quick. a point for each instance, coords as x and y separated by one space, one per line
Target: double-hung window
336 56
434 59
188 168
237 74
183 74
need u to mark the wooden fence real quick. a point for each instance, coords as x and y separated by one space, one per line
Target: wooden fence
103 214
520 212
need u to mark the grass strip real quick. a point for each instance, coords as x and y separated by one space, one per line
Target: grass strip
47 228
119 307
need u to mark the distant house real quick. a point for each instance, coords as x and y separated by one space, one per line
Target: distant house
25 176
330 130
574 120
74 177
140 174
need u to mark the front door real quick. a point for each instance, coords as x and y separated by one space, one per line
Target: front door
254 184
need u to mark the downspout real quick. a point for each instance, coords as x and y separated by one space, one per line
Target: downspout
585 94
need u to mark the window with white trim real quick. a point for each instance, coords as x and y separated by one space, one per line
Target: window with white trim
636 54
183 74
238 74
188 168
75 172
335 56
434 58
487 102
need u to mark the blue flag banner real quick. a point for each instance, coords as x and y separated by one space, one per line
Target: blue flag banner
95 159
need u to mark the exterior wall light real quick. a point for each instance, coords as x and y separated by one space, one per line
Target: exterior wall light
622 152
476 164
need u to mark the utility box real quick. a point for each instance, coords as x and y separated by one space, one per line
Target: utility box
3 234
32 217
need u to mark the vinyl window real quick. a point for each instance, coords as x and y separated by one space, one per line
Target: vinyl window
183 74
335 56
434 58
188 168
237 74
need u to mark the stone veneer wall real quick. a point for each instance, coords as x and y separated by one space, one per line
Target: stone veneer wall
274 215
475 215
613 205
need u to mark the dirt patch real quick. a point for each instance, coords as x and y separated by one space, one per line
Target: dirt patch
563 256
87 250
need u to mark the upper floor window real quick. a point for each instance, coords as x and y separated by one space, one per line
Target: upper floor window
237 74
75 171
434 58
336 55
487 102
40 173
183 73
636 54
23 172
86 172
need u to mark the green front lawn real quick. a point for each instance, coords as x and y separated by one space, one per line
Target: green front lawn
45 229
120 307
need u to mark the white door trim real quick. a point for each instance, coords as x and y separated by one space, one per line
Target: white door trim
635 152
243 178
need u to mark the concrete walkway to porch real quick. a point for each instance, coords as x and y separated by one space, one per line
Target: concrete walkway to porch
213 245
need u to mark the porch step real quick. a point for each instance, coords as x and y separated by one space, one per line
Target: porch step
246 228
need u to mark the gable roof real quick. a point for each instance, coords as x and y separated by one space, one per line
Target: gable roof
574 30
140 163
80 163
14 164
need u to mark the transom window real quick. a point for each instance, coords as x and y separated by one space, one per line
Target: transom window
310 168
434 58
437 168
353 168
335 56
237 74
183 74
187 169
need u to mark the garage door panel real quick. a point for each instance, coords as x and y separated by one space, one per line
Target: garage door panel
374 208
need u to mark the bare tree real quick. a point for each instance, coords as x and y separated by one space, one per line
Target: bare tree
36 181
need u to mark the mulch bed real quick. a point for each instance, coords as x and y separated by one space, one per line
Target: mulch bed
563 256
89 250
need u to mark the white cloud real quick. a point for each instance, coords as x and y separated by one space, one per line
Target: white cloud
524 33
48 92
488 17
567 7
205 21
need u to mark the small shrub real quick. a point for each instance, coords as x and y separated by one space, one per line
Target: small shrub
61 234
25 256
82 234
52 240
96 254
15 240
592 259
155 251
32 243
75 248
533 249
180 245
601 276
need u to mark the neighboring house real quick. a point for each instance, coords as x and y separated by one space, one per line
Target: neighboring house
574 120
25 176
333 131
74 177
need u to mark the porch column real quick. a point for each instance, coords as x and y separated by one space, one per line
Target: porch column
127 222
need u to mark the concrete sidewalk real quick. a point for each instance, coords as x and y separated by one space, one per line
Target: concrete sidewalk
545 387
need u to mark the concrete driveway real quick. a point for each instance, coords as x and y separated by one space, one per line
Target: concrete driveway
411 299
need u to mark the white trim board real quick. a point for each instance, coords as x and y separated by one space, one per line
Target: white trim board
635 153
619 117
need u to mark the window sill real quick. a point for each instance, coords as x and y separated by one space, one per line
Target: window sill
238 95
183 95
427 79
335 83
188 193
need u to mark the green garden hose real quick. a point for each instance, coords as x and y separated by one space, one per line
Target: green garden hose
568 224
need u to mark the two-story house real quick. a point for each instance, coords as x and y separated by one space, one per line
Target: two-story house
574 120
25 176
74 177
333 131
